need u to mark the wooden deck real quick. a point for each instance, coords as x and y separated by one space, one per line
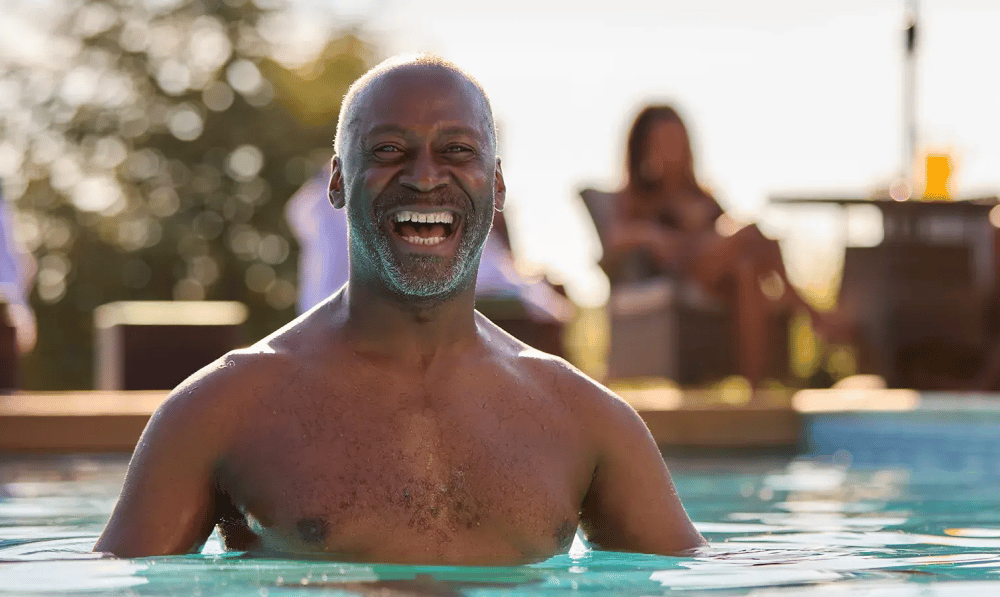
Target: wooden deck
105 421
75 421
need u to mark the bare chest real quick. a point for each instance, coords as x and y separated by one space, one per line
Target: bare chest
368 475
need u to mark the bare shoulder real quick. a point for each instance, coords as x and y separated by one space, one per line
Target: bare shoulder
237 380
602 410
589 398
214 396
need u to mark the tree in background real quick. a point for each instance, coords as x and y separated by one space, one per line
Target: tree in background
150 158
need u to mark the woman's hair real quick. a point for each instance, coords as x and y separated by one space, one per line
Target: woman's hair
637 141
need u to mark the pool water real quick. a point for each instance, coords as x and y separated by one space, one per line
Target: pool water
818 525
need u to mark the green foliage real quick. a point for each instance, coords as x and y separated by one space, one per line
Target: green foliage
154 162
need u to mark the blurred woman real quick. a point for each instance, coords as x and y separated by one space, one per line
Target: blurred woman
676 226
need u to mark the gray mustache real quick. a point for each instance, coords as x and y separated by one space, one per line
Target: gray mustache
438 198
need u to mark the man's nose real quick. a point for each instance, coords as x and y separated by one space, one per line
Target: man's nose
424 173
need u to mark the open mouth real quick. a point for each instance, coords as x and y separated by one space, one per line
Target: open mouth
424 228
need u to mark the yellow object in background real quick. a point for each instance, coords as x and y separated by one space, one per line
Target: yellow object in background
938 177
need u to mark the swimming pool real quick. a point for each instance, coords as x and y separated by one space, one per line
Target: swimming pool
889 505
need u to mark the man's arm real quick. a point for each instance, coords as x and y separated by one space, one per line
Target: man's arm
166 504
632 504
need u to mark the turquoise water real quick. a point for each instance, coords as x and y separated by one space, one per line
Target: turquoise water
777 526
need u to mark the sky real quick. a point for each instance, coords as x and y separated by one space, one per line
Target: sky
783 97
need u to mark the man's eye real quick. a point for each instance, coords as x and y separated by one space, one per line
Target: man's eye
386 149
457 149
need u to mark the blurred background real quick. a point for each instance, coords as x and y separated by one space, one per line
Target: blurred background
148 148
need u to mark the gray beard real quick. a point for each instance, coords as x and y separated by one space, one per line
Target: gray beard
425 278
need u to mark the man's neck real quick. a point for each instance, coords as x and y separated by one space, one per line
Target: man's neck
380 322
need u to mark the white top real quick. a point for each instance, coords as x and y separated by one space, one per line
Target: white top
322 234
14 282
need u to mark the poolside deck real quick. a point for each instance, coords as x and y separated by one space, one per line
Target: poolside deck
105 421
96 421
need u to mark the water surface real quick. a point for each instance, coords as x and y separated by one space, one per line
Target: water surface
780 526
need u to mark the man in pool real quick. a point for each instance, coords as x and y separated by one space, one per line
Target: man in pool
392 422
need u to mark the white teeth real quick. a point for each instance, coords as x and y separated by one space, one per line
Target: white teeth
438 217
419 240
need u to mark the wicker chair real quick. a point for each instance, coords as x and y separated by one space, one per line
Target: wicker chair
667 326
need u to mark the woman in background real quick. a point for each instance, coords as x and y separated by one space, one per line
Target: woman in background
677 227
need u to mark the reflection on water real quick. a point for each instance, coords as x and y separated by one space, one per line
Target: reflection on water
815 526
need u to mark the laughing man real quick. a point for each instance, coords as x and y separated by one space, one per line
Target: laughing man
392 422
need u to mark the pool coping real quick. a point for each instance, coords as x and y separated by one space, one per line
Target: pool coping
98 421
110 421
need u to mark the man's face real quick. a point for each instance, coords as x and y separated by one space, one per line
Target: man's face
420 179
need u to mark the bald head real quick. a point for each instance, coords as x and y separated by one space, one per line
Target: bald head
359 92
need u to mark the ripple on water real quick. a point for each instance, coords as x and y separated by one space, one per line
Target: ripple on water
824 526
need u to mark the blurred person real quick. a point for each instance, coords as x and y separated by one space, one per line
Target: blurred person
668 221
321 232
15 282
391 422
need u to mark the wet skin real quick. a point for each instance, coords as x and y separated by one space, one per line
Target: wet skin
393 423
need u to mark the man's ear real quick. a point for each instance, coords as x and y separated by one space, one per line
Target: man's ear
500 192
336 183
